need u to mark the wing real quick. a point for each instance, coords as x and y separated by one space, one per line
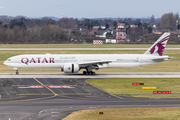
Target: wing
94 63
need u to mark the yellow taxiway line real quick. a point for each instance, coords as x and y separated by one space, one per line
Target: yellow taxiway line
45 86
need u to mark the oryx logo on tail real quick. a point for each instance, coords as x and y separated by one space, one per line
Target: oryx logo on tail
158 47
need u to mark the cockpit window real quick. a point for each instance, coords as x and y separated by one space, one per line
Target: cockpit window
8 59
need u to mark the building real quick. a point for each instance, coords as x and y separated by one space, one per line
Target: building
133 26
95 28
120 32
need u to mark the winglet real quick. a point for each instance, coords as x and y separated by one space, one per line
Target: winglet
158 47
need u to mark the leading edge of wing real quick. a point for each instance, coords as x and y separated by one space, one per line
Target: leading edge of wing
95 62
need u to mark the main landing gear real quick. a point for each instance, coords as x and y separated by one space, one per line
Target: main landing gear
89 73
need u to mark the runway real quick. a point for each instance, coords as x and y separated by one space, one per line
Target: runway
97 75
32 98
82 48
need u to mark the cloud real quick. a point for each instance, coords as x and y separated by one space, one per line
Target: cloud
1 7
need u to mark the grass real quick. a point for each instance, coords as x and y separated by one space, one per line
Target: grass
81 46
123 86
169 66
127 114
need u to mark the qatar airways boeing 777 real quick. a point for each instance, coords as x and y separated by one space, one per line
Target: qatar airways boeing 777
72 63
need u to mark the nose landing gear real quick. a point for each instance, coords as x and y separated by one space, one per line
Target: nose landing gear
17 73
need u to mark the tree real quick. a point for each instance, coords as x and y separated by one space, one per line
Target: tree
14 23
99 29
114 24
152 20
70 24
5 26
145 25
107 26
149 29
50 21
168 21
63 22
135 33
96 23
128 21
178 26
138 22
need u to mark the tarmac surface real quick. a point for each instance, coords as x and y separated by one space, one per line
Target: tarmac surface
82 48
33 97
97 75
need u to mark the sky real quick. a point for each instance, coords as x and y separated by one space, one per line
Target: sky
89 8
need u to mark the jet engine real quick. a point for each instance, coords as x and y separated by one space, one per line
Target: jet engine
70 68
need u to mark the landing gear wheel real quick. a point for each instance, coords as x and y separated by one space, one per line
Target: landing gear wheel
89 73
92 73
17 73
84 72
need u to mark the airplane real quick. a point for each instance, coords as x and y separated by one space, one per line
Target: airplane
73 63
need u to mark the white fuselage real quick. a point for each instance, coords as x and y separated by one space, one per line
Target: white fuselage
58 60
72 63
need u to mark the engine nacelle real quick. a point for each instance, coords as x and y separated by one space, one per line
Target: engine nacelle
70 68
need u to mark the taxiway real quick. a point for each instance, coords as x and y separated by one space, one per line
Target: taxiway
82 48
97 75
33 98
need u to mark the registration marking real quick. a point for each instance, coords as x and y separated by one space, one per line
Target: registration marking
61 87
32 87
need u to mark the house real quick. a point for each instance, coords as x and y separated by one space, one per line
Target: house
133 26
95 28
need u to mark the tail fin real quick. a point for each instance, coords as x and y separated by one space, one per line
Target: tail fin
158 47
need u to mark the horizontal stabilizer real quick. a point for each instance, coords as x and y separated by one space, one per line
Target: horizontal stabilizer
161 58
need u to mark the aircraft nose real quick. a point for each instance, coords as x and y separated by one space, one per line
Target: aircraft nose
6 63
